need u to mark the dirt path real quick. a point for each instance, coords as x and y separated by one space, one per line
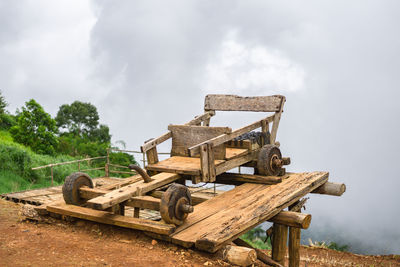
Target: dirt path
82 243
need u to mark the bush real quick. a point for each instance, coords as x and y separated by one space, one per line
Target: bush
7 121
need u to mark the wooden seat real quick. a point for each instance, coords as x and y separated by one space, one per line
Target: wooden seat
191 166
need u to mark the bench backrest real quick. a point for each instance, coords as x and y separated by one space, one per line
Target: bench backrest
185 136
239 103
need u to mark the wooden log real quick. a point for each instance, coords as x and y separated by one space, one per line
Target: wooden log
239 178
237 255
124 193
294 241
239 103
261 255
332 189
113 219
279 242
227 137
293 219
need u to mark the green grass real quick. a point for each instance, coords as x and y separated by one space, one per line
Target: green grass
16 162
256 237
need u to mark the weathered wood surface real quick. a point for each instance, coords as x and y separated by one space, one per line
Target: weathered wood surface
216 141
332 189
227 216
239 103
261 255
294 241
185 136
242 144
236 162
113 219
231 153
292 219
156 141
237 255
279 242
124 193
240 178
180 165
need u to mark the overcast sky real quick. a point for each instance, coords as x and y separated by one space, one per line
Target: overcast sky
146 64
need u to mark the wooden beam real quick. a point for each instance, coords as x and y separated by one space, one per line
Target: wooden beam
226 137
124 193
279 242
294 242
277 118
154 142
238 103
332 189
292 219
239 178
233 163
113 219
205 176
144 202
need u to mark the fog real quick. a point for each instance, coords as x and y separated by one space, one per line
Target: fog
146 64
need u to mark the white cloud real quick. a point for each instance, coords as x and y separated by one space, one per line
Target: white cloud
251 68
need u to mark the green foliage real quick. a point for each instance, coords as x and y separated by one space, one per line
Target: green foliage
7 121
35 128
256 238
3 104
78 118
81 146
17 160
335 246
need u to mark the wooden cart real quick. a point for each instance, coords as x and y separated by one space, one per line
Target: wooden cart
202 153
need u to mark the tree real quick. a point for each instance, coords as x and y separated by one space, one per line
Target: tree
35 128
78 118
3 104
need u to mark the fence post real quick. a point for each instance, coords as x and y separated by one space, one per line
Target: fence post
51 175
106 168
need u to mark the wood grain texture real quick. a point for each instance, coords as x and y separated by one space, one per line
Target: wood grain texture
124 193
227 216
156 141
113 219
332 189
185 136
279 242
180 165
240 178
239 103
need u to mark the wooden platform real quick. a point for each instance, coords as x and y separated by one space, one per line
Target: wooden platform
191 166
224 218
214 222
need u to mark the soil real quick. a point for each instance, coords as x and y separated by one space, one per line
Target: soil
81 243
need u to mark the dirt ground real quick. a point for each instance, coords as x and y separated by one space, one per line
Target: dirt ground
81 243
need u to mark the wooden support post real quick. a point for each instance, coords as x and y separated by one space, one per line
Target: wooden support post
136 212
107 167
205 176
279 242
121 209
264 129
294 243
211 164
152 158
52 178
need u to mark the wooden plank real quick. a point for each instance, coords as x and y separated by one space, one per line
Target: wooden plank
227 137
238 103
233 163
124 193
240 178
152 155
154 142
243 144
144 202
277 118
113 219
124 182
279 242
185 136
232 153
243 209
180 165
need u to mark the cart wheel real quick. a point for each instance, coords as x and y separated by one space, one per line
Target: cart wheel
71 187
175 204
269 161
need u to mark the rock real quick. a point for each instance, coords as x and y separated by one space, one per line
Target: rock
29 212
154 242
207 263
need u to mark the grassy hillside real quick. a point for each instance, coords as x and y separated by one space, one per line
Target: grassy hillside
17 160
